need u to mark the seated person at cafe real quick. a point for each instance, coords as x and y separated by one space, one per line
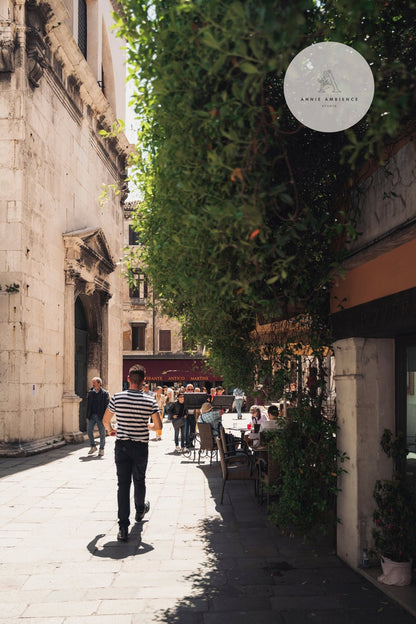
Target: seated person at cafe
257 418
209 415
213 417
273 412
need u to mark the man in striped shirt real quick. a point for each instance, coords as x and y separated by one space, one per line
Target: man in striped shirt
133 410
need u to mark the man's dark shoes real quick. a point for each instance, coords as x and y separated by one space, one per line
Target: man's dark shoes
123 534
140 515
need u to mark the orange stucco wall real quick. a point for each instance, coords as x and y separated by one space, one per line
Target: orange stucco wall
390 273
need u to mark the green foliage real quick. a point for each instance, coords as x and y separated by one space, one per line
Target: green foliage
310 465
395 520
394 447
395 516
11 288
245 212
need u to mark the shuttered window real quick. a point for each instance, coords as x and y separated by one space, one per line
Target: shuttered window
164 340
138 337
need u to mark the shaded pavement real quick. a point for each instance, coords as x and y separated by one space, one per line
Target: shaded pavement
191 560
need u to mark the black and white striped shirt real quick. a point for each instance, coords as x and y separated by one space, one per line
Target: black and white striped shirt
133 410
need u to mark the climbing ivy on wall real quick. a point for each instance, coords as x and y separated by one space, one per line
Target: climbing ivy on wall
245 212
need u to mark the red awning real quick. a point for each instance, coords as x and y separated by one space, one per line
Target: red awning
180 370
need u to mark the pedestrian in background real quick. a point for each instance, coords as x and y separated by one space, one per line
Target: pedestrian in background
97 402
190 421
161 402
238 401
146 390
179 411
133 410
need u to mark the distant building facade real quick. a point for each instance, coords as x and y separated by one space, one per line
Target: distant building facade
151 339
61 82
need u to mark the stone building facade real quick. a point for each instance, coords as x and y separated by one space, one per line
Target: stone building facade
374 324
61 82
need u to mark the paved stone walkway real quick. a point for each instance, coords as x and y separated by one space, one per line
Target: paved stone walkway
192 561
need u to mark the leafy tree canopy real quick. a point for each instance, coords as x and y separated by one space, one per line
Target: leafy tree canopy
245 212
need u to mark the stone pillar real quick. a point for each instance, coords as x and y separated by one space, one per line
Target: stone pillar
365 392
70 400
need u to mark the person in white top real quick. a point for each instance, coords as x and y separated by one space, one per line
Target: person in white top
238 401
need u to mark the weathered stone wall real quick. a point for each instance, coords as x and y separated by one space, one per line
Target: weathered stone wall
386 200
53 164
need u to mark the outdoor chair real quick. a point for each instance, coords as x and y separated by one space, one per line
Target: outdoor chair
230 450
239 467
206 442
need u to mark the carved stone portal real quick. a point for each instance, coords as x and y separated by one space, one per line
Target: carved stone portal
36 17
7 46
88 259
88 263
36 50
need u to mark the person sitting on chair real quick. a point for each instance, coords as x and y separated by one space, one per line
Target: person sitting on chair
211 416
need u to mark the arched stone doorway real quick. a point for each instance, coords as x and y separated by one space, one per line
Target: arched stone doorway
88 263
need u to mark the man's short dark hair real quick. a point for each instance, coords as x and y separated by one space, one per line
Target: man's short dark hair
137 373
273 410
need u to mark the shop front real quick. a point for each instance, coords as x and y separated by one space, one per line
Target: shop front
168 371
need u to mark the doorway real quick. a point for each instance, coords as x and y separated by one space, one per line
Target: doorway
406 402
81 353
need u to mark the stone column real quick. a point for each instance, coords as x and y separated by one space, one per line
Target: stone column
70 400
365 392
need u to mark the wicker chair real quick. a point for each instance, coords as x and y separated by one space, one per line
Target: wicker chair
230 450
206 442
241 467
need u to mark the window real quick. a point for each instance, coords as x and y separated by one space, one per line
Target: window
138 337
164 340
82 26
134 237
140 288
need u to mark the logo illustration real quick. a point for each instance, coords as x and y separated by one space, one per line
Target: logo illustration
326 80
328 87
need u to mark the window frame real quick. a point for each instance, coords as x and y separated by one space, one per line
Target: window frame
140 330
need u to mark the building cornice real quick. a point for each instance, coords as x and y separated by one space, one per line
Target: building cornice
64 48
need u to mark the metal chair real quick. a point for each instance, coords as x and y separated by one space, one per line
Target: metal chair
241 467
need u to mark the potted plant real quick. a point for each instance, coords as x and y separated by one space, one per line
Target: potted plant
394 518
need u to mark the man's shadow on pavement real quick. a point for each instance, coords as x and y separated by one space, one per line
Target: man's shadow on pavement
120 550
